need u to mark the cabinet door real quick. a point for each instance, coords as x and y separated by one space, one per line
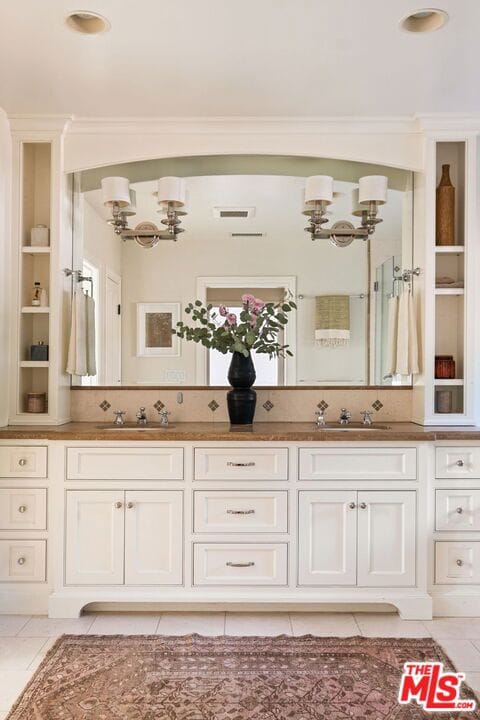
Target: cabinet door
386 538
327 526
153 537
94 537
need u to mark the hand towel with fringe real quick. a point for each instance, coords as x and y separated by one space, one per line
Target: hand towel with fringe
332 320
407 341
81 347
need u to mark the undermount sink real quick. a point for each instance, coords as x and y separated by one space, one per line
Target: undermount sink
353 426
134 426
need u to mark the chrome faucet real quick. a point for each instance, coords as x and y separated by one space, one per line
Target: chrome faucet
345 416
141 416
320 418
366 417
119 417
163 416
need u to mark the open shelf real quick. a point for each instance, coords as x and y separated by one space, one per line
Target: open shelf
35 250
34 364
35 310
446 383
449 291
449 249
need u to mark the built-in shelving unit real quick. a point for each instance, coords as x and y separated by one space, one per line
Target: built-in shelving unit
450 292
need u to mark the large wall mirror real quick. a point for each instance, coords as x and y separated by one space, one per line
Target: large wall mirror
244 231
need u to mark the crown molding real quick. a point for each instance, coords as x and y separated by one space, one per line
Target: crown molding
32 124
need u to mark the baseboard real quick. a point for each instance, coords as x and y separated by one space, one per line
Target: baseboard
24 602
456 605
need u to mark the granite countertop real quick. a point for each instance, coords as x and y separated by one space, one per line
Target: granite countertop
216 432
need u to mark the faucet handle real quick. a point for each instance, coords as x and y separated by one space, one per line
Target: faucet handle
320 415
141 412
366 417
346 413
119 417
163 414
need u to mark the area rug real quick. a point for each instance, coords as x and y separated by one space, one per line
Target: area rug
149 677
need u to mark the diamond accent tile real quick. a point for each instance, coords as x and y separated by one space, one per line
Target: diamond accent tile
322 405
377 405
268 405
105 405
159 405
213 405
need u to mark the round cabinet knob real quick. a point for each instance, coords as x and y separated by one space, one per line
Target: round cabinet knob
459 563
130 505
21 561
22 509
363 505
460 463
22 462
118 505
352 505
459 510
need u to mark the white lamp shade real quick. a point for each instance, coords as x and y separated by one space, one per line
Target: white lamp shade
373 188
319 187
116 190
357 208
131 208
172 190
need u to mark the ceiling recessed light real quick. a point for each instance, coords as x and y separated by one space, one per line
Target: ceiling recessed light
87 23
424 21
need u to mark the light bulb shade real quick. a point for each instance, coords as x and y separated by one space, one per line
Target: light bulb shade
319 187
373 188
131 208
357 208
116 190
172 190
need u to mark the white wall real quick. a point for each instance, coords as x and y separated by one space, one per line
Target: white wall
168 272
5 262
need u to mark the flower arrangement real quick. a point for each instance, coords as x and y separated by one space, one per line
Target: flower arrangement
256 328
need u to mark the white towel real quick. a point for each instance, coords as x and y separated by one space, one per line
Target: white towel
407 343
391 353
81 347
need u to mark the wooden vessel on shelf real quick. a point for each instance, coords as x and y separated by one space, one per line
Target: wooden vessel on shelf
445 210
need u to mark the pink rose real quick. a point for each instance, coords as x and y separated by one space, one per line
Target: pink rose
248 299
223 311
253 322
231 319
259 305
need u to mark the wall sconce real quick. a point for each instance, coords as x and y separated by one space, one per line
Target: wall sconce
372 192
122 200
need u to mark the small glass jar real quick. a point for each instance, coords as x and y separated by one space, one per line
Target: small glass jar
37 294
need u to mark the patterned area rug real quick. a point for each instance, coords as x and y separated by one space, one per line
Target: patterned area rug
197 678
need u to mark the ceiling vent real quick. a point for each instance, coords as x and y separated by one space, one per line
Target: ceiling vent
224 213
247 234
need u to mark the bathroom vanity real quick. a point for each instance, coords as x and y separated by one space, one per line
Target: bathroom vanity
199 515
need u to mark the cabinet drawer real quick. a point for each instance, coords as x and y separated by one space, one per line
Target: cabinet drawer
240 564
240 511
457 563
23 509
120 463
18 462
22 560
457 510
358 464
241 464
457 462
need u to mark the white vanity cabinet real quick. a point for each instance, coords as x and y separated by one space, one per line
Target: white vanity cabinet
115 537
364 538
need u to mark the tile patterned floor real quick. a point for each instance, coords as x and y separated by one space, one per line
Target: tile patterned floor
25 640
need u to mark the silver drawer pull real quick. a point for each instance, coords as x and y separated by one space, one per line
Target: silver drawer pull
459 510
240 564
459 563
352 506
240 512
118 505
363 505
22 462
460 463
22 509
21 561
240 464
130 505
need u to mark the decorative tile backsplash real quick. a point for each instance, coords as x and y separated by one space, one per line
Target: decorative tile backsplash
279 405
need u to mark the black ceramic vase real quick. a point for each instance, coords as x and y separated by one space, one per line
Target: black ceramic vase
241 400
